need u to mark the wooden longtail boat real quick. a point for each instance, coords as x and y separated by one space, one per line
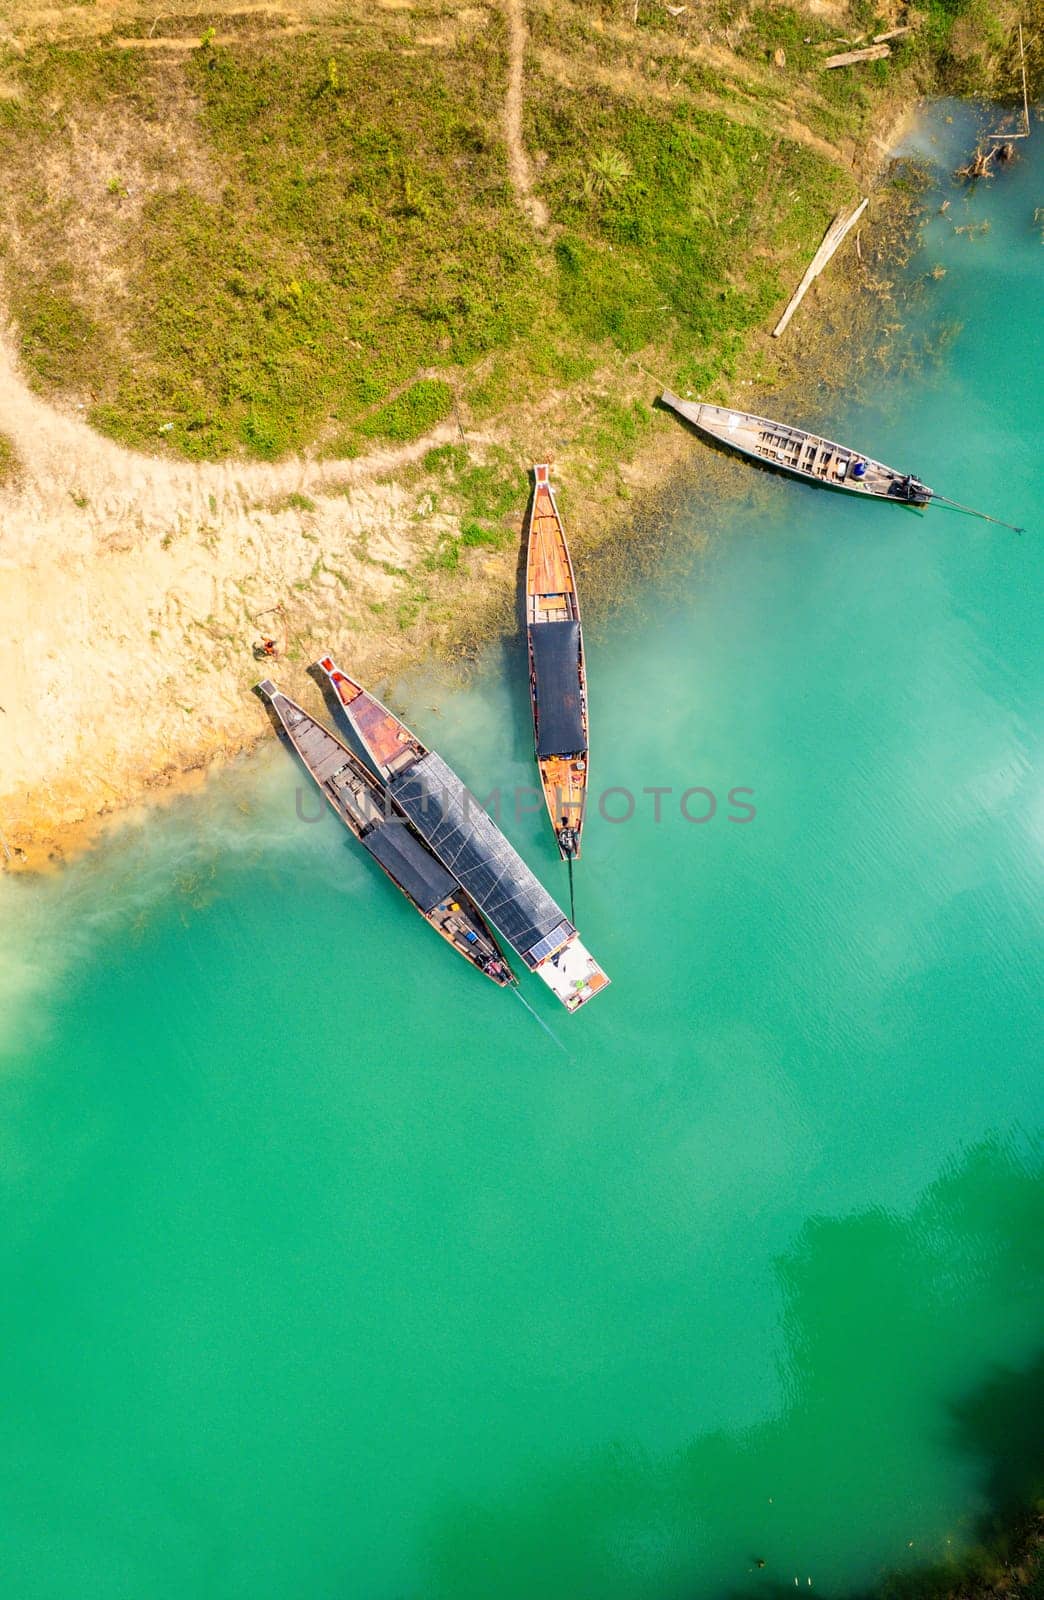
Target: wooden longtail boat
362 804
470 845
805 455
557 679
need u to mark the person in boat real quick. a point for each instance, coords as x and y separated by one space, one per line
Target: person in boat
858 470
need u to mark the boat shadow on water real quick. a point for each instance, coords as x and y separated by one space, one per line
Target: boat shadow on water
335 712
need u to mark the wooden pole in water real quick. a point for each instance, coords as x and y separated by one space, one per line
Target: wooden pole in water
1025 102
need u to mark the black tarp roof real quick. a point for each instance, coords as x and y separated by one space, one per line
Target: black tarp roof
413 867
477 853
556 664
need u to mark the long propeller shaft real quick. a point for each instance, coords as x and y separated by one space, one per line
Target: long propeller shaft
973 513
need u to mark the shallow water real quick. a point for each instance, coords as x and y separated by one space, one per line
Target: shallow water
328 1275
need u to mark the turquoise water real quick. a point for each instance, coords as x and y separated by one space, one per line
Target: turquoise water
327 1274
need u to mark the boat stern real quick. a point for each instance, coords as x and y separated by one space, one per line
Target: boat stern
573 975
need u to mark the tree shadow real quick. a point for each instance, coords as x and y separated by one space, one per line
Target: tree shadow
616 1520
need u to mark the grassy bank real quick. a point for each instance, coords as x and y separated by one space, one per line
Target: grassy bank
251 234
282 237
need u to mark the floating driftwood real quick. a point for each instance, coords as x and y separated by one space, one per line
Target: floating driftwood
873 52
841 225
979 166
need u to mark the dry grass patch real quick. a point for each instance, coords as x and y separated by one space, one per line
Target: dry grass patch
10 462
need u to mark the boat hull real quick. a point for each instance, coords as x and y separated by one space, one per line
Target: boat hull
459 831
800 454
557 671
362 803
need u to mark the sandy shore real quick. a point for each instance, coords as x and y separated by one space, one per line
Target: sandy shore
131 592
134 589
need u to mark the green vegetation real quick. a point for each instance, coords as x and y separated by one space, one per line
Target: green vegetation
59 341
960 37
356 225
487 492
412 414
772 28
294 501
331 253
661 243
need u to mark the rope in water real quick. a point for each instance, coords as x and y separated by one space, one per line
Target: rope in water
551 1035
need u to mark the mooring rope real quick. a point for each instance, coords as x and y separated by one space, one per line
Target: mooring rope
550 1033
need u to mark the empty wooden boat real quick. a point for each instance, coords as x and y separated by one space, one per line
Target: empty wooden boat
557 679
363 806
470 845
805 455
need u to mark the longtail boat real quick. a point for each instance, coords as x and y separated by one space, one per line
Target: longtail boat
803 454
557 679
470 845
362 804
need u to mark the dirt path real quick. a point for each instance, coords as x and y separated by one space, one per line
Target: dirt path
130 588
518 156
